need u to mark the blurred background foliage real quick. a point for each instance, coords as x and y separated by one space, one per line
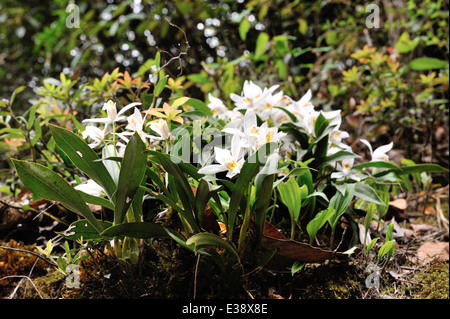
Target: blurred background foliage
391 82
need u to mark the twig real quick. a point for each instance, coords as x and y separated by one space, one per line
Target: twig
51 263
195 276
178 57
38 212
21 280
26 277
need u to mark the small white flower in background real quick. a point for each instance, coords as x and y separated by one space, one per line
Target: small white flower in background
153 76
303 107
234 118
265 106
279 117
135 124
252 95
112 114
217 107
268 135
379 154
95 134
230 161
91 188
255 136
336 136
345 170
161 127
135 121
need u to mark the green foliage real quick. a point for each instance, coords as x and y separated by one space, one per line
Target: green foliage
244 71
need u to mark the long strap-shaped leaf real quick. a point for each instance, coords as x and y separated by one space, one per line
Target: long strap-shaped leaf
248 172
46 184
132 172
83 157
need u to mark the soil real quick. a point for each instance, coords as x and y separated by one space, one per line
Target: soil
166 271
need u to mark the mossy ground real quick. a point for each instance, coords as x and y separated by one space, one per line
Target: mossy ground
166 271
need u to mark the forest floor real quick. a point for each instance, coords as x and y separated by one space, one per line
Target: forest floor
419 268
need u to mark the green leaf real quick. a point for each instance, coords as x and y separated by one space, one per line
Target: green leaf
248 172
380 164
132 172
205 191
405 44
46 184
16 91
423 64
338 156
94 200
199 106
159 87
244 27
368 194
419 168
321 218
370 245
31 116
291 196
261 44
83 157
341 202
297 266
203 240
386 249
389 232
83 230
175 171
136 230
320 125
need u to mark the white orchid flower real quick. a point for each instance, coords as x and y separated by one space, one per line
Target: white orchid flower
91 188
230 161
217 107
251 95
268 135
345 170
112 114
337 136
265 106
135 121
95 134
135 124
379 154
161 127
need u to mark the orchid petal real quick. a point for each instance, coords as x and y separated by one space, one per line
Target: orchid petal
212 169
125 108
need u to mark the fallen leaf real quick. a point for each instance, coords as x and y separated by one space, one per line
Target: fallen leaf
288 251
430 250
420 229
399 203
430 210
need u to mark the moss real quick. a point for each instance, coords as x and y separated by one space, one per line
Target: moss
432 282
49 286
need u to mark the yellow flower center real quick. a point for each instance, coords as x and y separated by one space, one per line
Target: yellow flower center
254 130
160 124
269 136
347 166
230 165
247 100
